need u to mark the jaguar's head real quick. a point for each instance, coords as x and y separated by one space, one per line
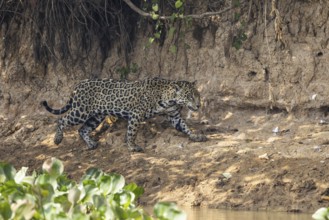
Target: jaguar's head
188 95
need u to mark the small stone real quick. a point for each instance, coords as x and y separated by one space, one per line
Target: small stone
264 156
317 148
276 130
313 97
323 122
227 175
205 122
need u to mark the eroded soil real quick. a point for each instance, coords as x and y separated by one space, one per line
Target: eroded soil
243 165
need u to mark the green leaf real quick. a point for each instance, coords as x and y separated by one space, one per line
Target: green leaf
23 209
45 178
134 68
74 195
7 172
178 4
53 211
46 192
88 191
135 214
81 216
243 37
5 211
173 16
53 167
111 183
64 202
42 178
151 39
171 32
237 43
125 198
120 212
20 175
64 183
173 49
168 211
100 204
157 35
137 190
93 174
154 16
11 190
155 7
321 214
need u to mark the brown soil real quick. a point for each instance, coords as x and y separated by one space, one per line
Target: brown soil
244 164
284 171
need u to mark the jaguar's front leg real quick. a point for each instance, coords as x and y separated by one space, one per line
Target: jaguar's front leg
133 125
178 122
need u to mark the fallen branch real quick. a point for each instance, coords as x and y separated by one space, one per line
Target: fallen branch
195 16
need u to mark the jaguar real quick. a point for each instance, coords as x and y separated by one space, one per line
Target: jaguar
94 99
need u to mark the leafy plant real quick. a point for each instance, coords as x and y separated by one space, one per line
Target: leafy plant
125 71
321 214
51 195
164 24
239 39
168 211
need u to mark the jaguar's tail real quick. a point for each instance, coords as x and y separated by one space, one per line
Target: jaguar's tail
58 111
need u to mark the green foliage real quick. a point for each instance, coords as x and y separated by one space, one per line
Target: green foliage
51 195
168 211
171 23
125 71
173 49
236 3
177 11
238 40
321 214
69 30
240 36
178 4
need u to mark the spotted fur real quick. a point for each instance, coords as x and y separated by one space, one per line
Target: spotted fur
92 100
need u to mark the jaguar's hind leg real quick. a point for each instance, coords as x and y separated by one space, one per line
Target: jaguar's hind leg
90 125
59 131
62 123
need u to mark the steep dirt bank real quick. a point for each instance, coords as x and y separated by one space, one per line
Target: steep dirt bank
246 93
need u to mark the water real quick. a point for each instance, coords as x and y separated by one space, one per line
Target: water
196 213
219 214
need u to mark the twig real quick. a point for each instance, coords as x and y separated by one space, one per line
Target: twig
136 9
195 16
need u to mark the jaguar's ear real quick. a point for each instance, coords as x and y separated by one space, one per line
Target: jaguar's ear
194 83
